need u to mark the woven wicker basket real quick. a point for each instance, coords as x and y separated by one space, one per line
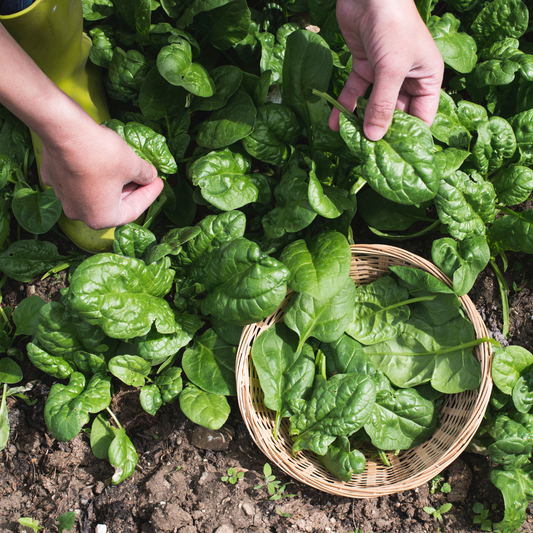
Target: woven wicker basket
461 414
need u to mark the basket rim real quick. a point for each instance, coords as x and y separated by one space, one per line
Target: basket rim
338 487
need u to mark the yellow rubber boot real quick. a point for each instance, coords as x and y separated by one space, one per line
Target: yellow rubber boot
51 33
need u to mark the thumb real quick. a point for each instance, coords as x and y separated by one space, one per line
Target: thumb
135 202
381 104
145 173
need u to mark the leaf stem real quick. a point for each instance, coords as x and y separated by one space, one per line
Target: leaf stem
507 211
336 104
114 418
504 291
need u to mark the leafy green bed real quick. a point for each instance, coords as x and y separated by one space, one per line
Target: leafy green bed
229 100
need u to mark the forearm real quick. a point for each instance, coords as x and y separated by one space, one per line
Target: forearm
29 94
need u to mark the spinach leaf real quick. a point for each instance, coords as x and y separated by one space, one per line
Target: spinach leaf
122 456
226 180
227 79
150 398
26 315
380 311
55 366
127 71
285 373
401 419
319 266
326 320
132 240
122 295
130 369
441 354
233 122
461 260
401 166
245 285
10 371
204 408
337 407
523 393
508 364
513 232
24 260
102 434
68 407
35 211
89 363
170 384
346 356
514 185
342 462
210 364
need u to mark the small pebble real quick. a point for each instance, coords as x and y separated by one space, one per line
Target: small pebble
224 529
248 509
101 528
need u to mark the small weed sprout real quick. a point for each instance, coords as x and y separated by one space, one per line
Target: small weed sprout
482 517
232 476
438 484
437 513
26 521
284 515
274 486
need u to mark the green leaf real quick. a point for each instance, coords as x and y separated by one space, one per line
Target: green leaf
24 260
326 320
29 522
4 419
66 521
346 356
319 266
158 98
89 363
35 211
146 143
401 166
102 434
228 125
380 311
401 420
226 180
514 185
122 295
174 63
26 315
10 372
68 407
245 285
285 373
523 392
227 80
462 261
513 232
136 14
170 384
127 71
457 49
308 65
342 462
327 201
508 365
500 19
150 398
441 354
448 126
210 364
337 407
132 240
55 366
203 408
130 369
122 456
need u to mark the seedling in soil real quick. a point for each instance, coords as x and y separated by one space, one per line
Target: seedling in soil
482 517
233 476
10 372
437 513
26 521
438 484
274 486
66 521
284 515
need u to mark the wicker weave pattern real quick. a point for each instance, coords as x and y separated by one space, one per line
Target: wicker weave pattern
461 414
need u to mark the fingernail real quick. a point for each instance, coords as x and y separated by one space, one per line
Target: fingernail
374 133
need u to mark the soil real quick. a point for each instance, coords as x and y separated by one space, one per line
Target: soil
177 485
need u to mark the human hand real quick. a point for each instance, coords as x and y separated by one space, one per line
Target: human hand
393 50
99 179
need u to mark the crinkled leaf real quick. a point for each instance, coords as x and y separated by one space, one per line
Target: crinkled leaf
170 384
122 295
52 365
227 79
68 407
448 126
102 434
346 356
401 166
127 71
89 363
523 392
150 398
513 232
320 265
158 98
132 240
337 407
514 185
342 462
401 419
245 285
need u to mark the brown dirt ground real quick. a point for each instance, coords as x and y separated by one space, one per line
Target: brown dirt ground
177 487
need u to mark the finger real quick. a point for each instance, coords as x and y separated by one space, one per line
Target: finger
404 102
425 107
139 201
354 88
145 173
382 102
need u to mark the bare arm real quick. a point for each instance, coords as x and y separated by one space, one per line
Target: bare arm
96 175
393 50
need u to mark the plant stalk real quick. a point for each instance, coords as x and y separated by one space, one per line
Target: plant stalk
504 291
